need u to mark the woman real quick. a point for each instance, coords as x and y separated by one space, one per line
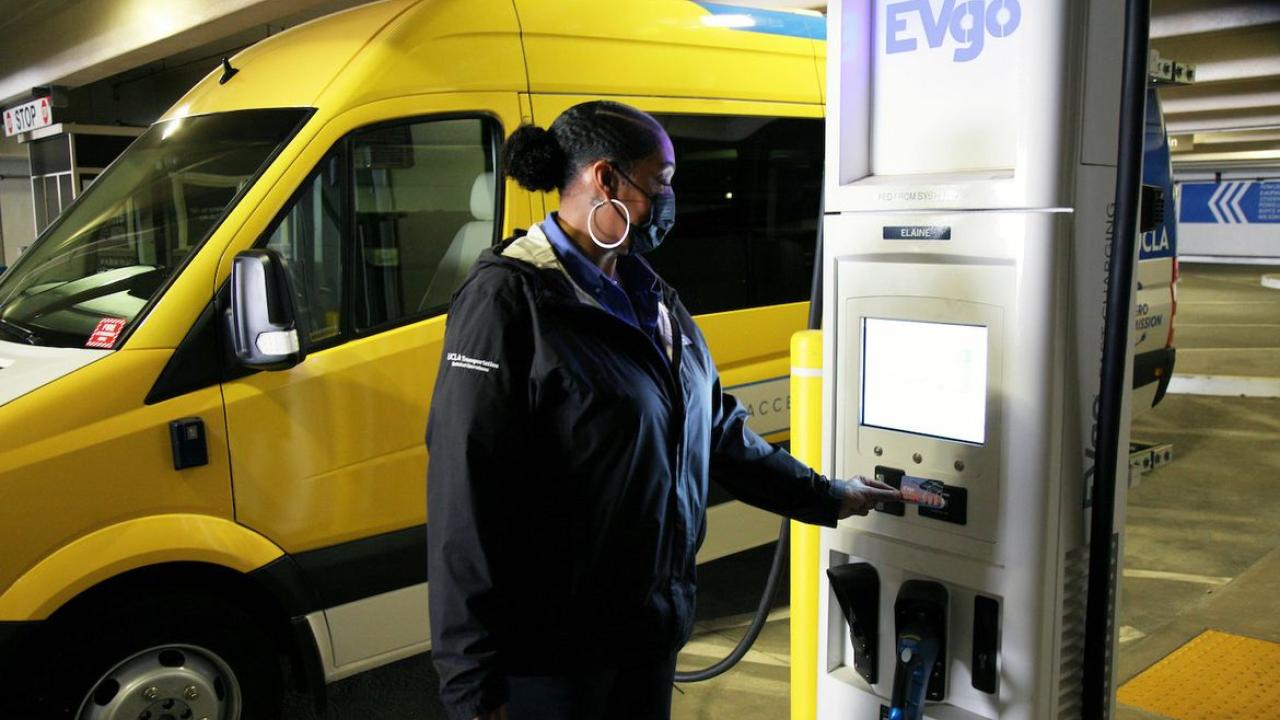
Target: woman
576 419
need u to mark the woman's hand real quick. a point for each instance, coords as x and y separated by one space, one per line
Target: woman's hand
859 495
498 713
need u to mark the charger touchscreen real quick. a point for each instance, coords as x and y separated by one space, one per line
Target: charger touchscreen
926 378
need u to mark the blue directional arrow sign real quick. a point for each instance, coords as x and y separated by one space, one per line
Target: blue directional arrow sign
1229 203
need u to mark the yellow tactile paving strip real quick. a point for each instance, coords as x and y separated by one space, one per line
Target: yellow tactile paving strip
1216 676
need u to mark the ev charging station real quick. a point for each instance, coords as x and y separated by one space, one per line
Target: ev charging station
970 196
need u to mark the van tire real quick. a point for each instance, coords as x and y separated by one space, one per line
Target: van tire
142 635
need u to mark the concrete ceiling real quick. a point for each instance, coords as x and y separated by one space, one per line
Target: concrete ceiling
1230 117
76 42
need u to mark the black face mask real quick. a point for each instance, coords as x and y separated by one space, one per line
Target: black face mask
662 216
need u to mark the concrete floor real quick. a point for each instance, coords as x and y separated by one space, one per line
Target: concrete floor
1204 528
1202 540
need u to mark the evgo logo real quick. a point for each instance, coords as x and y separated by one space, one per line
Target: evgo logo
968 22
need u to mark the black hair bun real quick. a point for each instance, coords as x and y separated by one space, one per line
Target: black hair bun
534 158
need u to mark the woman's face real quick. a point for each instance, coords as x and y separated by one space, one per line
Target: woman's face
635 188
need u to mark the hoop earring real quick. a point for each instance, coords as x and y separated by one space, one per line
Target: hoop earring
591 231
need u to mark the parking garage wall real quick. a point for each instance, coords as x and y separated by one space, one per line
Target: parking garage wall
17 224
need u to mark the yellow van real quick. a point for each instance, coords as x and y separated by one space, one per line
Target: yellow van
182 504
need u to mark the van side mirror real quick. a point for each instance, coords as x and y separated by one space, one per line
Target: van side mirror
262 319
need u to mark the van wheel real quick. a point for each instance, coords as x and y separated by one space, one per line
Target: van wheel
168 657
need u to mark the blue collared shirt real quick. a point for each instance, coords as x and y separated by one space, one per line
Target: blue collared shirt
634 300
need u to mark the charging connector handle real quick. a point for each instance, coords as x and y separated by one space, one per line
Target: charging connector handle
917 651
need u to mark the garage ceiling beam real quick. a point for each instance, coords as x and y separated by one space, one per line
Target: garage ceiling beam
1227 136
1242 95
1244 55
1260 119
1172 18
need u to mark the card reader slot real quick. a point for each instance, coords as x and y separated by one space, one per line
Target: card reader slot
893 478
955 511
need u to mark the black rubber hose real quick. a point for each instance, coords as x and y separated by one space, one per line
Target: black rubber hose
1096 685
815 283
771 587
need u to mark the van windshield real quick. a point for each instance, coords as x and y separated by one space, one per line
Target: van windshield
91 274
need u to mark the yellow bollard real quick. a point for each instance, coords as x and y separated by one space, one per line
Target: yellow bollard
806 445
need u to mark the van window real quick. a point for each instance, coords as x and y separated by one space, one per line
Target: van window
115 249
309 238
389 225
424 209
747 193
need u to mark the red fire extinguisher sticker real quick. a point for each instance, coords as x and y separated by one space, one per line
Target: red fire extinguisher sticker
105 334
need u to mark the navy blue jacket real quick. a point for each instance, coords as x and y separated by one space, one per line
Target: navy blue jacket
568 466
